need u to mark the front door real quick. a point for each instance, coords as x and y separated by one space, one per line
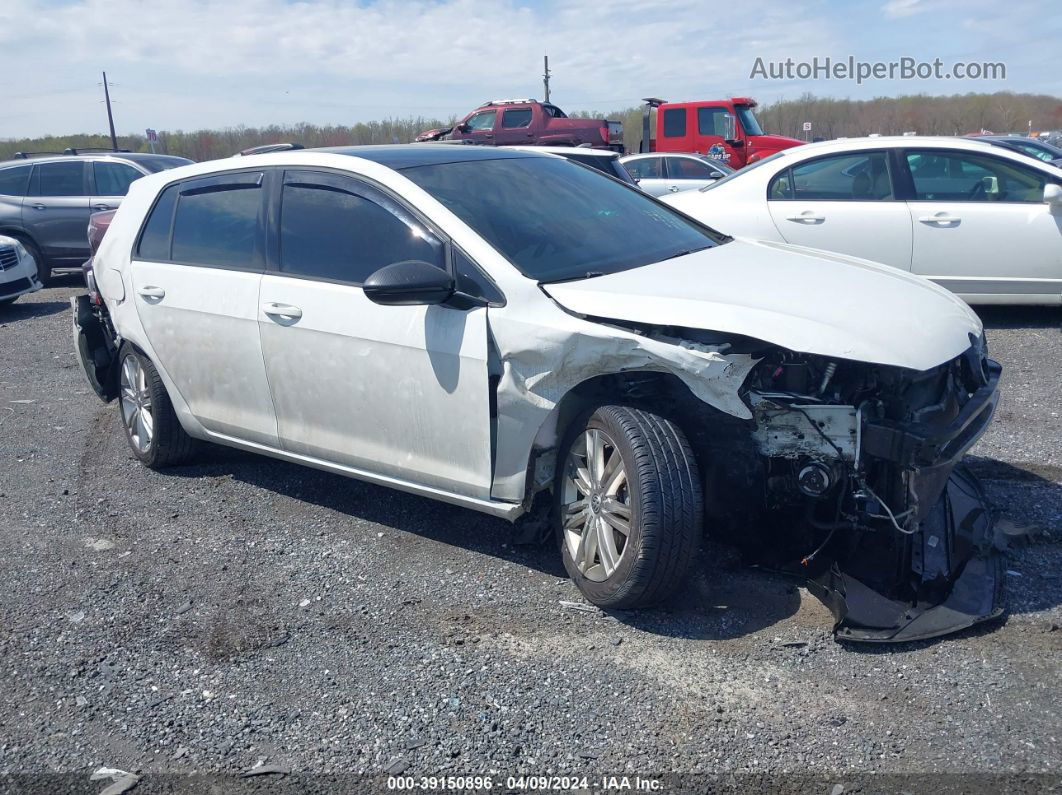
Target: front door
479 127
689 173
196 292
649 173
398 391
55 213
843 203
111 181
981 226
712 130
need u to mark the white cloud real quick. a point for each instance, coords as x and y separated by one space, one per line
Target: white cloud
895 9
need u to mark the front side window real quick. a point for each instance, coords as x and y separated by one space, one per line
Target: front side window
856 176
155 239
14 181
113 179
516 117
688 168
712 121
336 228
60 179
646 168
556 220
674 122
218 222
482 121
942 175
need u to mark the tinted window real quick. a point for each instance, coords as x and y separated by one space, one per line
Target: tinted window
13 181
688 168
61 179
516 118
674 122
748 120
712 121
646 168
859 176
335 228
162 162
113 179
155 239
606 165
554 111
217 222
959 176
482 121
556 220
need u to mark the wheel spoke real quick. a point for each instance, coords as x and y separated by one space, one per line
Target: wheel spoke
616 514
617 478
606 546
582 481
131 413
595 456
142 437
576 516
587 547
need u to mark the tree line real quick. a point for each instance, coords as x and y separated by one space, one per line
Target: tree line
959 114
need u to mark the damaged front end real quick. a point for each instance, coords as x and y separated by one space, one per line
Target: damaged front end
857 468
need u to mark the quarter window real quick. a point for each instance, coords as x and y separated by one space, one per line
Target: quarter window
674 122
13 181
155 239
960 176
646 168
60 179
217 222
857 176
113 179
337 229
517 117
482 121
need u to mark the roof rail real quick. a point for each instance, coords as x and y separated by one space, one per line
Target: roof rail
264 148
28 155
72 151
508 102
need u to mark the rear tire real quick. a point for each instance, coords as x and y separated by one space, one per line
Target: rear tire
151 426
629 508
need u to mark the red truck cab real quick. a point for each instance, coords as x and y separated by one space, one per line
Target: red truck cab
724 129
511 122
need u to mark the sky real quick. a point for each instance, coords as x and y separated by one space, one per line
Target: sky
192 64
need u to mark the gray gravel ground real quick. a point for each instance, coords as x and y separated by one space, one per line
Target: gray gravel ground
243 609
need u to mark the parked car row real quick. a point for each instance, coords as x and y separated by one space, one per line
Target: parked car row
510 331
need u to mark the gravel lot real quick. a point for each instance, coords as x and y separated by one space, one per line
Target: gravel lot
243 609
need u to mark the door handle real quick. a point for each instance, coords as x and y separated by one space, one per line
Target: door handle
674 188
285 311
940 218
101 207
150 291
38 207
807 217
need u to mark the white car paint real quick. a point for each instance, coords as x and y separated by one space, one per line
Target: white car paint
18 270
985 251
671 178
419 375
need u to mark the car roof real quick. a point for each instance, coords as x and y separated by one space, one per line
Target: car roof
888 142
400 156
643 155
95 155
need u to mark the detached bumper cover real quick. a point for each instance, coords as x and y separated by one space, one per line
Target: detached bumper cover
94 349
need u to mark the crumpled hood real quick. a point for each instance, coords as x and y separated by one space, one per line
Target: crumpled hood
797 298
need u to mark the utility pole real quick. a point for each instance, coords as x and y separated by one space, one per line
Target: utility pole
110 116
545 75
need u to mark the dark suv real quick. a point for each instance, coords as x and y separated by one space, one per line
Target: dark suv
46 200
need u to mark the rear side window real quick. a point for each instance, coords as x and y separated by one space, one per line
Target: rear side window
155 239
688 168
60 179
338 229
14 181
674 122
518 117
113 179
943 175
218 222
646 168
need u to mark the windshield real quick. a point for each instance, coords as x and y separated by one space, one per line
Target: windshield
556 220
745 170
162 162
748 120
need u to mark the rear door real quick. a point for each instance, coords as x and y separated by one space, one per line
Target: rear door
397 391
55 212
689 173
111 180
650 174
843 202
981 226
516 126
196 273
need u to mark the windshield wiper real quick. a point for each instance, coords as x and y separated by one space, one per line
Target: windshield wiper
684 252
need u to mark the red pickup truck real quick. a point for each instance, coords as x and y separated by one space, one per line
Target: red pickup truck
510 122
725 129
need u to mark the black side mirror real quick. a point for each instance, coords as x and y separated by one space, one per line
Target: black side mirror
462 127
409 283
736 144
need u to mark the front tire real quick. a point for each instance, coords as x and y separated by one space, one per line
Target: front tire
629 507
151 426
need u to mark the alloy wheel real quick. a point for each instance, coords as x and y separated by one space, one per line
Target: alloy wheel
136 404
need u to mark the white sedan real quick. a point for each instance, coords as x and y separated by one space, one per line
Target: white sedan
18 270
660 173
983 222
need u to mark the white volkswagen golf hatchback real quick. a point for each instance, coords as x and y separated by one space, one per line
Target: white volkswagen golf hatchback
516 333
